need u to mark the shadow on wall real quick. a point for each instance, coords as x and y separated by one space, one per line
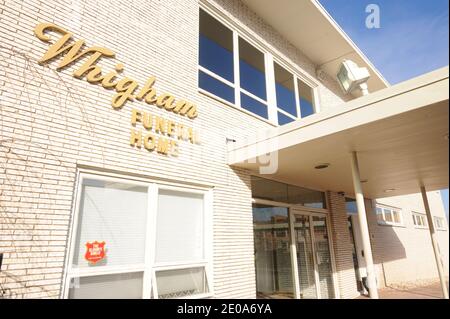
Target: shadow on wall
386 245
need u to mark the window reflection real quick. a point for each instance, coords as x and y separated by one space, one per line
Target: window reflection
216 56
272 252
252 70
285 91
216 47
306 99
279 192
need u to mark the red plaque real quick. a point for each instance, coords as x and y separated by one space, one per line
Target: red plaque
95 251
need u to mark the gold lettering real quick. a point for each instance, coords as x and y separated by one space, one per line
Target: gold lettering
89 66
107 82
191 135
125 89
183 107
181 132
165 99
174 148
171 128
95 75
135 116
135 138
148 92
73 50
149 142
163 145
148 121
160 125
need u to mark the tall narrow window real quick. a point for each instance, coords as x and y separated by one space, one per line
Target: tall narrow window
439 223
216 72
285 95
306 99
180 260
112 213
252 79
294 97
419 220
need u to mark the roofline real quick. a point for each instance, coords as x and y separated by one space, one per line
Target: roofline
345 36
427 79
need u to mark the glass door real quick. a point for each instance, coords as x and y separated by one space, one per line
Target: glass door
304 257
313 255
272 252
323 257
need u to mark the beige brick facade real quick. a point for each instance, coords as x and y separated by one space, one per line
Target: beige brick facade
52 124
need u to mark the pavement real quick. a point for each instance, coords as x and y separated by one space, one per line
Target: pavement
430 291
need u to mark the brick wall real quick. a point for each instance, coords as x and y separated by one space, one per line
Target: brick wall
52 123
342 246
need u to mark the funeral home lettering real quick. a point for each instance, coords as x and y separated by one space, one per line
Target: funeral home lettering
127 89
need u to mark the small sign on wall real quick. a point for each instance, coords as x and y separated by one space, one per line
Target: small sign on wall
95 252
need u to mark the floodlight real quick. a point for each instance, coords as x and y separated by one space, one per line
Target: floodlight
351 76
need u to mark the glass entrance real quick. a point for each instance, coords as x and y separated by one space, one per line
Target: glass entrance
323 257
305 257
314 263
292 253
272 252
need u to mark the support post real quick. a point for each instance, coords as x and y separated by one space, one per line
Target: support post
371 281
434 242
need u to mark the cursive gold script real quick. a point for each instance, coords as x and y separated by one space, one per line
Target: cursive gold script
126 88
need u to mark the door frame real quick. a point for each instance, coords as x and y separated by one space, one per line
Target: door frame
299 209
305 212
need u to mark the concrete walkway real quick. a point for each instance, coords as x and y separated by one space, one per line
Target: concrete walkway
431 291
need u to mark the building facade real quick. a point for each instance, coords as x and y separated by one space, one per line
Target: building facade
115 126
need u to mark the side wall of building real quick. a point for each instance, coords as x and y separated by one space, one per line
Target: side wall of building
404 254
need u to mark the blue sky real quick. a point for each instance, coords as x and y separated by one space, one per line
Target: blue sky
413 37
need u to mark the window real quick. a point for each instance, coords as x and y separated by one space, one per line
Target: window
439 223
389 216
234 70
306 99
285 95
216 70
180 240
279 192
419 220
350 205
154 237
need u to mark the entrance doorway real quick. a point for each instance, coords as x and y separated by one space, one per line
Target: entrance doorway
312 248
293 255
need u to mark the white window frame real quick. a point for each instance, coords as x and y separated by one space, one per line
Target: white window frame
442 220
320 212
270 56
384 222
149 267
296 78
423 217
